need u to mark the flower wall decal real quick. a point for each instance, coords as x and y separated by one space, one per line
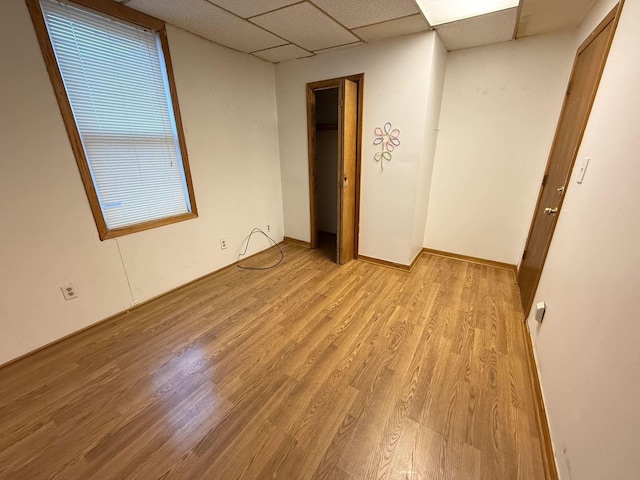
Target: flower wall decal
388 139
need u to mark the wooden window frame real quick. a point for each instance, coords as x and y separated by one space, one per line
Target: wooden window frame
121 12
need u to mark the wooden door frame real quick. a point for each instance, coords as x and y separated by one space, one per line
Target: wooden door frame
311 147
612 16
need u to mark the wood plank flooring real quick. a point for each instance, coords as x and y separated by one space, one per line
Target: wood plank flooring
306 371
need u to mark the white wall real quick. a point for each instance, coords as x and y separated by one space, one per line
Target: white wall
594 16
425 175
47 234
499 112
587 346
396 79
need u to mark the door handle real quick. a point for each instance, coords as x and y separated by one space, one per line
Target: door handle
550 211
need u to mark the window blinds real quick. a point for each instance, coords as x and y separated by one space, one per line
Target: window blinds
116 82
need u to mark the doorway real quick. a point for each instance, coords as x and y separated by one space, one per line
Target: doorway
581 91
334 124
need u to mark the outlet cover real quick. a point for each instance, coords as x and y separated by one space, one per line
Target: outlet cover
69 291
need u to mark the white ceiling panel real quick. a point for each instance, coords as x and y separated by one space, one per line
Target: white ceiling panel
476 31
545 16
306 26
357 13
250 8
393 28
283 53
211 22
339 47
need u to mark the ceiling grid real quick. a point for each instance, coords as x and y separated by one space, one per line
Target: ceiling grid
281 30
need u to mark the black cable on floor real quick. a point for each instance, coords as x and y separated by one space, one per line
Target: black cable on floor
247 246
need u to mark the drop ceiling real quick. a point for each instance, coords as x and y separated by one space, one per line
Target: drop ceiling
280 30
546 16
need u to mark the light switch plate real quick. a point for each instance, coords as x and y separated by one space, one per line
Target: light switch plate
583 169
541 308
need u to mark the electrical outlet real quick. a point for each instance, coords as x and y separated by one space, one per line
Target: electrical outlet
69 291
223 243
268 228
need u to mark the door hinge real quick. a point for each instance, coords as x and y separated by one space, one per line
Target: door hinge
341 104
524 254
569 87
544 179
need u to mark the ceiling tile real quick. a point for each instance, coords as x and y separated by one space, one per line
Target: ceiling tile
306 26
545 16
283 53
250 8
339 47
211 22
393 28
357 13
476 31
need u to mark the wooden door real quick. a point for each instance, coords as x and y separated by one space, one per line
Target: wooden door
587 70
350 101
347 140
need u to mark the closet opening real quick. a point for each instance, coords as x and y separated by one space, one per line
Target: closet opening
334 113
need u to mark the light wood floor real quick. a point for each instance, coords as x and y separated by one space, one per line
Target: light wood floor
309 370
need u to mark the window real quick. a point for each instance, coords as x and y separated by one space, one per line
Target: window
111 71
